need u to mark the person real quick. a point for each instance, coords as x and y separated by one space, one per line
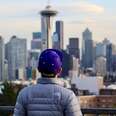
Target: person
48 97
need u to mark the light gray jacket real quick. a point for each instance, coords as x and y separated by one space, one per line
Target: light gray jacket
47 98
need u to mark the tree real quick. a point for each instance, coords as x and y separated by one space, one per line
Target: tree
8 96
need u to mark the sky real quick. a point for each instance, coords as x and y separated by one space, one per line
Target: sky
21 18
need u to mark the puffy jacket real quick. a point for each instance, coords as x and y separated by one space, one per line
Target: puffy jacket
47 98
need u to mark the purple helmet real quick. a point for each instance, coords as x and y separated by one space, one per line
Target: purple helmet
50 62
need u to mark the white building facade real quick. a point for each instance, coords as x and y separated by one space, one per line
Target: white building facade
2 58
17 56
100 66
92 84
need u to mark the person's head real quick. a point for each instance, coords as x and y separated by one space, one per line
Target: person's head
50 63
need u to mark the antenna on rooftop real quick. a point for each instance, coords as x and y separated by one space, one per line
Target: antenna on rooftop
48 2
48 5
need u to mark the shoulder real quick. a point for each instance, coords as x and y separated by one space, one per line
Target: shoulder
65 92
24 94
25 91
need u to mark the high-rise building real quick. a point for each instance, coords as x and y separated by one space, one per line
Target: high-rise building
111 62
100 66
33 58
36 35
101 48
60 34
32 69
87 49
67 64
2 58
56 43
109 58
74 72
5 70
17 56
73 47
46 26
114 63
36 42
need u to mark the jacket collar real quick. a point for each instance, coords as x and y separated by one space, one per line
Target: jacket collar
51 81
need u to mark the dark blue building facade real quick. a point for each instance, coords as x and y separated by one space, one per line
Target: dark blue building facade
60 33
36 35
87 50
73 47
109 58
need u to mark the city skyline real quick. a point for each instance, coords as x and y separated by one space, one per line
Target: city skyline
22 17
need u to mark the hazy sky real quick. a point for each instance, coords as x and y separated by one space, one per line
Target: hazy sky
21 18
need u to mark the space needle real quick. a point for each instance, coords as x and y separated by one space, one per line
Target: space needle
46 26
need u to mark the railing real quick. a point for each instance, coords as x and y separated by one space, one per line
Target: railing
99 111
94 111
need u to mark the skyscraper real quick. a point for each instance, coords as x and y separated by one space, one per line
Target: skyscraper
111 61
36 42
2 58
60 34
100 66
46 26
17 56
67 64
101 48
56 44
36 35
87 49
109 58
33 58
73 47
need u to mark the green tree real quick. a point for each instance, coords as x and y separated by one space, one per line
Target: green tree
8 94
8 97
